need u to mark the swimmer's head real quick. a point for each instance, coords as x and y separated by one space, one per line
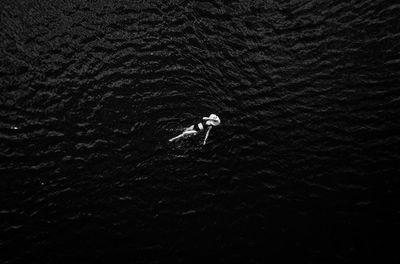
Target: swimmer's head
212 120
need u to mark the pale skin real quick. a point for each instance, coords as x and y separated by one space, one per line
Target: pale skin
213 120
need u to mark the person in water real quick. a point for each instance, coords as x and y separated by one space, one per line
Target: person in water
209 122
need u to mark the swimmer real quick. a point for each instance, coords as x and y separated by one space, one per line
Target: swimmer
209 122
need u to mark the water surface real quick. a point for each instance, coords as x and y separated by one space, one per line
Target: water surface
303 167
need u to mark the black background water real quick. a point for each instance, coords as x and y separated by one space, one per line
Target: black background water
304 167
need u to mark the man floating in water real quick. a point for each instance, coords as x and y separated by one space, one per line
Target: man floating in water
212 120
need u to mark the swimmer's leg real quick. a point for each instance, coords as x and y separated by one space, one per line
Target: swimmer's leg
185 133
189 128
175 138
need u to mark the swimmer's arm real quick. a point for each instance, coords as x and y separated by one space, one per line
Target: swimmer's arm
208 132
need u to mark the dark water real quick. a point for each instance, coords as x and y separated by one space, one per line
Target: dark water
304 167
